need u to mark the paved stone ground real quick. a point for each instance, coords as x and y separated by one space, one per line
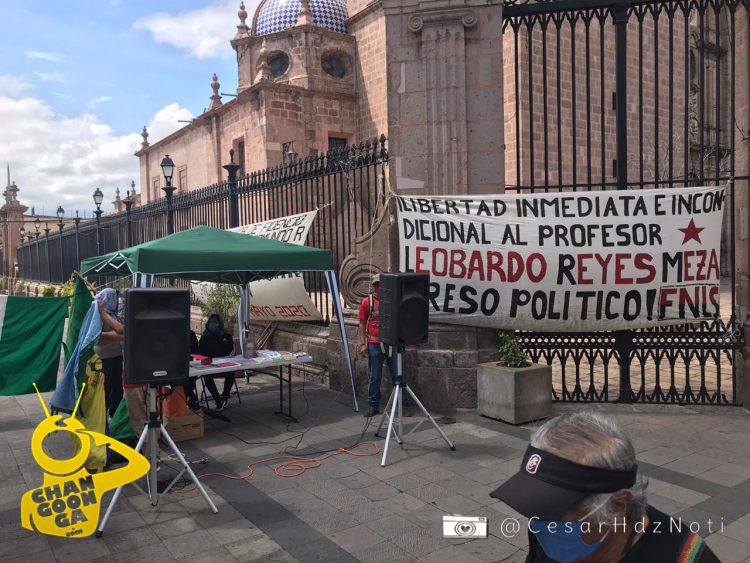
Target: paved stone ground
351 509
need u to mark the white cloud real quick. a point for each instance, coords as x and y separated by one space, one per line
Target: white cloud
50 76
203 33
45 56
165 122
60 160
13 85
99 100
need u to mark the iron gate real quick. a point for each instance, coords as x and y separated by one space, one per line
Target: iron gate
626 94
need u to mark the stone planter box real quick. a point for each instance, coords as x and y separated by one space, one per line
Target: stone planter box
514 395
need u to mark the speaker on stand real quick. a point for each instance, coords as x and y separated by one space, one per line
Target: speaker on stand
404 315
157 351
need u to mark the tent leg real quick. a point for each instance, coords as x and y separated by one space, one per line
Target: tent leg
242 317
333 289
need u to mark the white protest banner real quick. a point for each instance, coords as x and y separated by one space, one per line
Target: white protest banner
570 261
280 298
292 229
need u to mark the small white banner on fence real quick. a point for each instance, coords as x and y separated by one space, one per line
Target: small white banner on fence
292 229
277 299
570 261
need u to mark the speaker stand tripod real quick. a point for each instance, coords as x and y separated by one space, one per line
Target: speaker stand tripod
395 408
151 431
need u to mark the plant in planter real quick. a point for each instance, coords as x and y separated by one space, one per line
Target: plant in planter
514 390
511 353
48 291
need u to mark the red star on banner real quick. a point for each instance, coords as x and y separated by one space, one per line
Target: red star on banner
691 232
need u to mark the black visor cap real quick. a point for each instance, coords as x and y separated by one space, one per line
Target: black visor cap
548 486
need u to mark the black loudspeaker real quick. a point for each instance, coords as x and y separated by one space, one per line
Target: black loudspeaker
404 310
157 335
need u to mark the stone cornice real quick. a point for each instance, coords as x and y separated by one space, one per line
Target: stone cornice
397 7
198 121
364 12
14 207
291 32
292 89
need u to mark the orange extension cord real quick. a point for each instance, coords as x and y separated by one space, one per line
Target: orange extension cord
295 467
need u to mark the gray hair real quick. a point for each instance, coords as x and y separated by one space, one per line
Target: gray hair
594 439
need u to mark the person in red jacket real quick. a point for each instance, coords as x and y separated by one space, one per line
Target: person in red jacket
375 351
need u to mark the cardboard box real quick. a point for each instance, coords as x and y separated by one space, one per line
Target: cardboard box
183 428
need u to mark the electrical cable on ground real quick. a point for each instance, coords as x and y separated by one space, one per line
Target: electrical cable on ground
296 464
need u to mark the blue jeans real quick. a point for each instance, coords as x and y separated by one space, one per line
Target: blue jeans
375 360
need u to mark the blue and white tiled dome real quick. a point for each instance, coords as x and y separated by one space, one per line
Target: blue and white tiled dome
278 15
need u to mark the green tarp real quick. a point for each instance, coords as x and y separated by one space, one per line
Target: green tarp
214 255
31 330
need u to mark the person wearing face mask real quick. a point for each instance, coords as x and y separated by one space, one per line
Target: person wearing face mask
580 488
109 347
215 342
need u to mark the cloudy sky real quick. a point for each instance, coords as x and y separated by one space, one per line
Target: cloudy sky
80 78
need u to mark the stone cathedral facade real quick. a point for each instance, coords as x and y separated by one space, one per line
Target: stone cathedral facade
315 74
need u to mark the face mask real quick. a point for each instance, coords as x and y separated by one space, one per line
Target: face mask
213 327
564 541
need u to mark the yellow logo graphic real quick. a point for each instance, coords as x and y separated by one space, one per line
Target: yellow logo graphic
68 502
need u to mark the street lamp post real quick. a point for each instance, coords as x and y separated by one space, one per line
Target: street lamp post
49 254
98 198
37 224
77 220
60 225
22 232
234 207
167 168
128 201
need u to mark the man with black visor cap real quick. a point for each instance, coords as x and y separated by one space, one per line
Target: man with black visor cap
580 488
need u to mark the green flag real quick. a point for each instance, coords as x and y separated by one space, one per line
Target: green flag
79 305
31 330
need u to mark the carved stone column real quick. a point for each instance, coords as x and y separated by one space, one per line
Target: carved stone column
445 101
445 128
742 201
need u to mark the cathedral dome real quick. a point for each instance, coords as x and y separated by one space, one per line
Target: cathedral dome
278 15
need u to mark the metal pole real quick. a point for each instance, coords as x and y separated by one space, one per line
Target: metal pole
49 254
168 191
128 235
234 208
62 255
98 214
38 261
78 242
623 338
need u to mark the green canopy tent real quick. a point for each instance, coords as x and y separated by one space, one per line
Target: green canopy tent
216 255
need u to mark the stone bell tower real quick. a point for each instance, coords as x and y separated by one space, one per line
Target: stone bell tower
11 219
296 67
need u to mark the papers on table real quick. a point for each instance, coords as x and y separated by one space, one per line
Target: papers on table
271 358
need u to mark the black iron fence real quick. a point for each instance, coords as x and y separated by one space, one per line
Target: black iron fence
631 94
343 185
